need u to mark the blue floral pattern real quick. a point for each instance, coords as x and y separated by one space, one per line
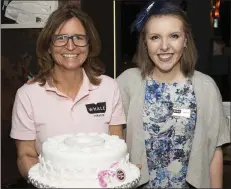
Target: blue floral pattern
168 139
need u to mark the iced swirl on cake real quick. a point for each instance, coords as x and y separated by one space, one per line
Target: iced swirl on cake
84 161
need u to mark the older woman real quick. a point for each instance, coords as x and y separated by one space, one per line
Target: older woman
175 120
70 94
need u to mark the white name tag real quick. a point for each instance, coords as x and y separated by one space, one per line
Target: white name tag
181 113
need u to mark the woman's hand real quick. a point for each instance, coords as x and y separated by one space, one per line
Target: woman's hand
139 166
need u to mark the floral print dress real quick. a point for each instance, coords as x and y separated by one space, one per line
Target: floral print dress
168 137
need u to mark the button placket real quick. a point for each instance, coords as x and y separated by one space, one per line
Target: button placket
72 110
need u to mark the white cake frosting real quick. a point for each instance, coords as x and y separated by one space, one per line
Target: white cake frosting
84 161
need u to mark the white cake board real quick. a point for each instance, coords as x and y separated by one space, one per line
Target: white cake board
38 181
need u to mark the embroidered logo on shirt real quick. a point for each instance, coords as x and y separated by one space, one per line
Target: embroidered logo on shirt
100 107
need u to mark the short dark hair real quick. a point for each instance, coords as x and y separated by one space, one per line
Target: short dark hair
92 65
161 8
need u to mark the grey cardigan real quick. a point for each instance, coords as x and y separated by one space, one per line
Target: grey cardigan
211 126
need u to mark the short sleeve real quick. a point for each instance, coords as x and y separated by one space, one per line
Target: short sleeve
23 126
118 116
223 136
224 130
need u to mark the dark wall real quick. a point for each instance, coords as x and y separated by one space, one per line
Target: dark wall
101 11
201 29
18 60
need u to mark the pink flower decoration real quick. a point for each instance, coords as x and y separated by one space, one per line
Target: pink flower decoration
106 173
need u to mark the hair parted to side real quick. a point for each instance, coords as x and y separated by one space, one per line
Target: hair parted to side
161 8
92 66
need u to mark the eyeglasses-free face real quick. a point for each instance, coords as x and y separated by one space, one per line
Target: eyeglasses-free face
79 40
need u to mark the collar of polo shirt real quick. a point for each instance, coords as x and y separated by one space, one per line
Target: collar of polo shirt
86 84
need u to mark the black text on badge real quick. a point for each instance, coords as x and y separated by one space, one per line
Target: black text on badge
93 108
181 113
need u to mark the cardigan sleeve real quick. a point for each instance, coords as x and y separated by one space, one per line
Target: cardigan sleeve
224 130
124 90
223 135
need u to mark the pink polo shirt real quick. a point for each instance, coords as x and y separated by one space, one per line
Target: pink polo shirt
43 112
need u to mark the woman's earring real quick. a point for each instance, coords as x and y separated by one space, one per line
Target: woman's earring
185 45
146 48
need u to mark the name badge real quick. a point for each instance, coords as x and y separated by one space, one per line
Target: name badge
181 113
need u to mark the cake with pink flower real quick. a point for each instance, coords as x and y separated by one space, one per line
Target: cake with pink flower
84 161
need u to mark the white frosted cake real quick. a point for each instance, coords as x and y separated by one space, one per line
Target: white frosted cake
84 161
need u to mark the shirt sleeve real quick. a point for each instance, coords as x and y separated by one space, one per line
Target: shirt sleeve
23 125
118 116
